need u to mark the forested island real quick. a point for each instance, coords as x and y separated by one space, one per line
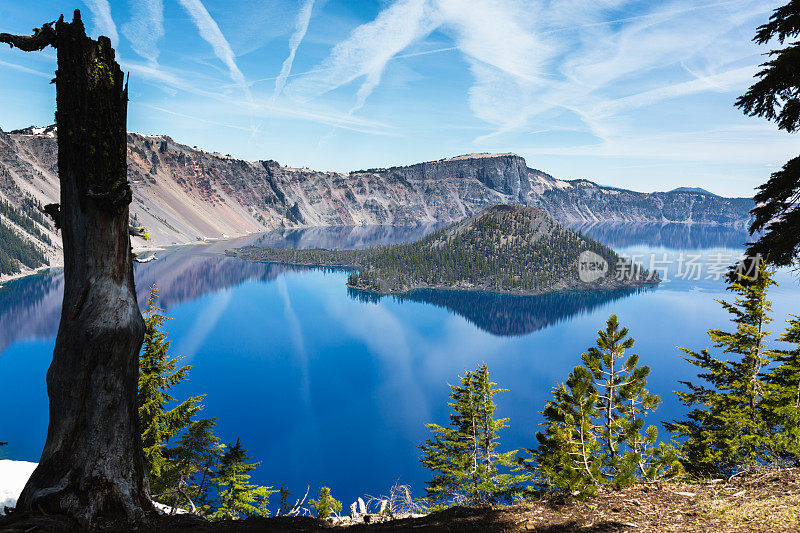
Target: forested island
504 249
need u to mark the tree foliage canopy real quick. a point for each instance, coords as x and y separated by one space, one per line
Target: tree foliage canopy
595 432
325 503
728 426
464 457
776 97
158 373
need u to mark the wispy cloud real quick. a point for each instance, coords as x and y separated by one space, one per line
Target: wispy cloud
318 70
606 69
367 50
731 145
211 33
194 118
182 81
26 69
506 56
145 28
102 20
720 82
300 29
539 59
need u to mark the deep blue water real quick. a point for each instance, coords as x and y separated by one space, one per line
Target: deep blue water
328 387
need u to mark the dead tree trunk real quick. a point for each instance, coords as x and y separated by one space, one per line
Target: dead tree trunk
92 464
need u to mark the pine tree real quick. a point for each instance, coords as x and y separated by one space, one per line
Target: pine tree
595 422
236 497
325 504
622 402
568 453
464 456
726 428
158 373
776 97
783 402
191 464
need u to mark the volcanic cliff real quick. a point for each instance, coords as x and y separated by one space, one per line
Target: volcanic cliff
184 194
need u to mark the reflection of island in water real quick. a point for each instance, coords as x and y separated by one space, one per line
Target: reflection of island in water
507 315
30 308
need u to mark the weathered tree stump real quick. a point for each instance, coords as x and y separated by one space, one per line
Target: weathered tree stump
92 465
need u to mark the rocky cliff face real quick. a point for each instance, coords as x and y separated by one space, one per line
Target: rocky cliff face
505 173
184 195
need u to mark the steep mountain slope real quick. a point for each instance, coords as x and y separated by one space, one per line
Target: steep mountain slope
27 238
184 195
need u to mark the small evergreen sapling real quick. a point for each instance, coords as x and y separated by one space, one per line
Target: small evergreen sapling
783 402
325 504
464 456
622 402
568 454
237 498
728 427
594 423
192 461
285 508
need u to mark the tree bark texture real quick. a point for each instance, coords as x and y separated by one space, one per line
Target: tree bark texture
92 465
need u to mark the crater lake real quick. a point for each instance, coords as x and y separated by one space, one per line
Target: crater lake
330 386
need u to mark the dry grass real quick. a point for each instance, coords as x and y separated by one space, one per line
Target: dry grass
758 501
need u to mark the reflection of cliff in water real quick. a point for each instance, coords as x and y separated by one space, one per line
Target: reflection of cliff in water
183 277
30 308
343 237
505 315
677 236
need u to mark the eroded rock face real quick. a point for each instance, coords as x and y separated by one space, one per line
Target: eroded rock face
184 194
504 173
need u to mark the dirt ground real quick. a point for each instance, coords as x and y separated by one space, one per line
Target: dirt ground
764 501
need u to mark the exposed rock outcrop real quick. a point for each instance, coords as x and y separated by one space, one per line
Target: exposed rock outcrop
504 173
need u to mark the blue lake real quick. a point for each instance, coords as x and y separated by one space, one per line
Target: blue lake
326 386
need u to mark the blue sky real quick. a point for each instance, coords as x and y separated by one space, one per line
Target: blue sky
626 93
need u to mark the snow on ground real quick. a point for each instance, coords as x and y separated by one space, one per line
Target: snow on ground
13 476
167 509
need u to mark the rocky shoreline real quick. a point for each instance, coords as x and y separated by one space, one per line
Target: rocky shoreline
609 285
59 263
